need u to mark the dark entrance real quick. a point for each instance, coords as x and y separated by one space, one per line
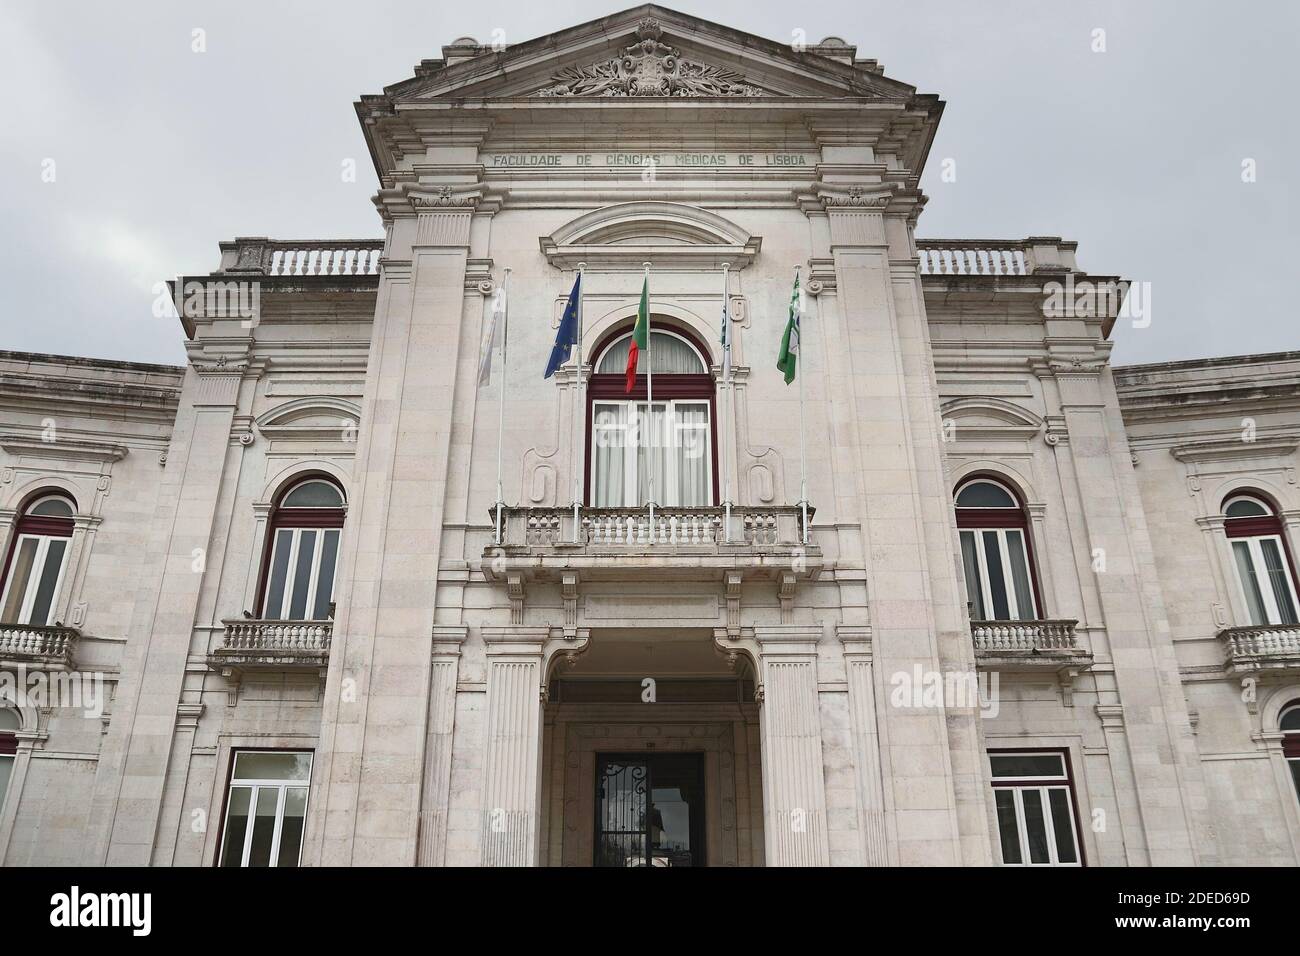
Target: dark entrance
649 810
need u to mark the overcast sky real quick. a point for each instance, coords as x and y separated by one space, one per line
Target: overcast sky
1137 152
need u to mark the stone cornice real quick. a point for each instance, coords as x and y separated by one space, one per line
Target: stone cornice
63 449
1231 450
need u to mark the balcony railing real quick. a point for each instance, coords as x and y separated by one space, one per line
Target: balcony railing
307 257
1263 649
608 537
29 645
1016 645
272 645
995 257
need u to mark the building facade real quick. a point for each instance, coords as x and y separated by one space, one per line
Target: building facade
1038 610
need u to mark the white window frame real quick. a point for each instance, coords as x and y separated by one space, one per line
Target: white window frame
256 785
34 579
1008 582
291 571
1260 567
634 411
1043 784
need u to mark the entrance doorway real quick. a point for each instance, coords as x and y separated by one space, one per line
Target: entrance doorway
649 810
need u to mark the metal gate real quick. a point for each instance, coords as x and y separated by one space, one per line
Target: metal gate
649 810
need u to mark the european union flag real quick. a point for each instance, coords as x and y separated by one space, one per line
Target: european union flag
566 337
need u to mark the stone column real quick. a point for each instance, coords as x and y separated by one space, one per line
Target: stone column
881 367
1170 791
134 763
436 797
511 773
366 796
861 682
794 783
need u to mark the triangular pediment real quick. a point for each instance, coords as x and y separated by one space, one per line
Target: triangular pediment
648 51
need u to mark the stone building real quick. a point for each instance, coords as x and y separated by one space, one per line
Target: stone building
1039 610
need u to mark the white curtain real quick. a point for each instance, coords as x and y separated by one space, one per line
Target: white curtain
694 489
674 440
671 355
608 453
652 435
1020 576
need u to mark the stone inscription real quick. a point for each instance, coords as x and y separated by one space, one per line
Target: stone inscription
643 159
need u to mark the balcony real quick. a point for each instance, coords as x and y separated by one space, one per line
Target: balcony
995 257
537 541
306 257
280 647
47 648
1029 647
1262 651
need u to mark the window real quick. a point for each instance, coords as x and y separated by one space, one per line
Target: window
298 580
1263 563
1289 724
36 562
1034 798
1000 580
266 808
674 436
9 723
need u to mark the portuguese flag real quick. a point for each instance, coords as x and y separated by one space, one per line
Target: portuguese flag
640 334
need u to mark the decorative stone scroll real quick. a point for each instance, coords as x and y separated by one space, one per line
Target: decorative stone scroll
649 68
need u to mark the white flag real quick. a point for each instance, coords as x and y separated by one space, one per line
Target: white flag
726 338
492 336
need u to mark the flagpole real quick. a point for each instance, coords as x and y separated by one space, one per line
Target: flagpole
650 399
501 403
726 400
799 372
579 426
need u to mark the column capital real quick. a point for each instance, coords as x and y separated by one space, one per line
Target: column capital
447 639
785 640
515 639
856 639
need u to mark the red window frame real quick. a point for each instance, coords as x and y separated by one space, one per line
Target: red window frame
282 517
37 524
1258 527
613 388
976 519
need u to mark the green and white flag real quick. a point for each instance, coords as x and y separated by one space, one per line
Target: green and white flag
788 360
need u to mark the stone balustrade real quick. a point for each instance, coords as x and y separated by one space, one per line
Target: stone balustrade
1028 636
31 645
995 257
307 257
627 528
1262 648
627 537
272 646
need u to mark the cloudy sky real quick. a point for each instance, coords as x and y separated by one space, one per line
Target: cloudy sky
157 152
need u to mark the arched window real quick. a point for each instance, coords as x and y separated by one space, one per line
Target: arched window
36 561
9 725
1000 580
1289 724
1263 565
303 548
678 439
